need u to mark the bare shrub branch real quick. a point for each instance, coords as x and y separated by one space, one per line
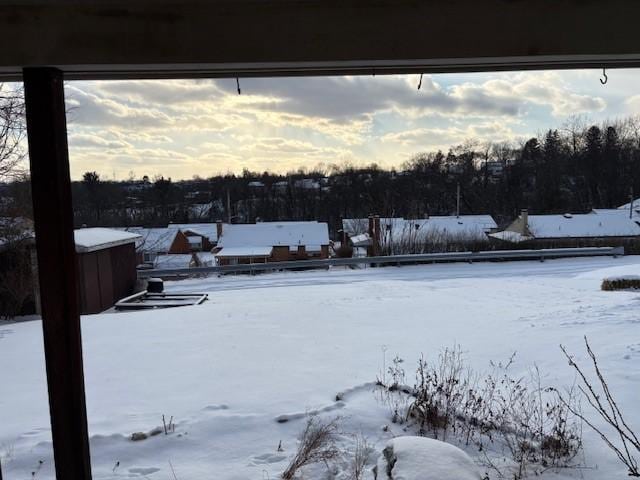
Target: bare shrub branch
317 444
600 398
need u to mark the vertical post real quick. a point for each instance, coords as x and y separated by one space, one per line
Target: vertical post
52 211
458 201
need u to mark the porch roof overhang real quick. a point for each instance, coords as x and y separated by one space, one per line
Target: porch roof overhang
98 39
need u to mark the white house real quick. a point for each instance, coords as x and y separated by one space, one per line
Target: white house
587 227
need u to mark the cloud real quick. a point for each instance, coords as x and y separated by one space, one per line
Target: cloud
182 127
443 138
88 109
633 104
87 140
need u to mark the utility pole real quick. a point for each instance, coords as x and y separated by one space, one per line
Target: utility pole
630 207
458 201
228 207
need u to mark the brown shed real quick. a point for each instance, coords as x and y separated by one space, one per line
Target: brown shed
106 267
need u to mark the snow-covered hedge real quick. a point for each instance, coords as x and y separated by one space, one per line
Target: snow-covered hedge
626 282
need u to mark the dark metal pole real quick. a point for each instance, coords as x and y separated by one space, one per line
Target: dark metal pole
51 187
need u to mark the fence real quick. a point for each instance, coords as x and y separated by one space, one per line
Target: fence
391 260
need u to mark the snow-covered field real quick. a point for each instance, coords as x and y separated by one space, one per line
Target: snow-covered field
280 346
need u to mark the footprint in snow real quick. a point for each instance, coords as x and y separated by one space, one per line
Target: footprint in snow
141 471
267 459
213 408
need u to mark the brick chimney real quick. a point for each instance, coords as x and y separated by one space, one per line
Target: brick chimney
219 228
372 233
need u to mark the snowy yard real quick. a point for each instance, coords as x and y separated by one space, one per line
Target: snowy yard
280 346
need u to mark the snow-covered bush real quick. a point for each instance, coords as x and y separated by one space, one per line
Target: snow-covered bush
516 417
627 282
419 458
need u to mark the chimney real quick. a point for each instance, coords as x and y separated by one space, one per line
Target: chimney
219 228
372 236
524 215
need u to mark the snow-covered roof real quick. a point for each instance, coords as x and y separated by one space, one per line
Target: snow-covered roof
360 240
400 229
173 260
272 234
635 213
582 226
636 204
92 239
154 240
208 230
247 251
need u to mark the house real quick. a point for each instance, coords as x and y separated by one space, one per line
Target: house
435 233
106 260
201 236
280 187
152 242
598 228
272 242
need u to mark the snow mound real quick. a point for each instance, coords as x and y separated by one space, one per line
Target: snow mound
420 458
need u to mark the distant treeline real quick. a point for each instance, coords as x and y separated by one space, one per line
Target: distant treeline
572 169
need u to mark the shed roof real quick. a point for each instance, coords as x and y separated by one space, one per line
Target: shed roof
92 239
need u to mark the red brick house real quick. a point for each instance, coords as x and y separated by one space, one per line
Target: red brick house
272 242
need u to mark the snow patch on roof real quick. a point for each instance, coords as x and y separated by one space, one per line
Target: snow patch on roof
582 226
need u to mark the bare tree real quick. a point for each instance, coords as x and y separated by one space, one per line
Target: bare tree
12 132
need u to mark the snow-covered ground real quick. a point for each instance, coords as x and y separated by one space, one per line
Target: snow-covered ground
279 346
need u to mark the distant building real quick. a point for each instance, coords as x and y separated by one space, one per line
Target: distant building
177 238
600 227
280 187
272 242
400 235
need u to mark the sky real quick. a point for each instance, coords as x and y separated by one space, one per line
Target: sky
184 128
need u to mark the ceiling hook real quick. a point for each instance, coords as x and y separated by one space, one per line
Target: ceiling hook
604 74
420 82
238 85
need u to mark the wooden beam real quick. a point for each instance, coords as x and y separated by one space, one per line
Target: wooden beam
214 38
51 191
